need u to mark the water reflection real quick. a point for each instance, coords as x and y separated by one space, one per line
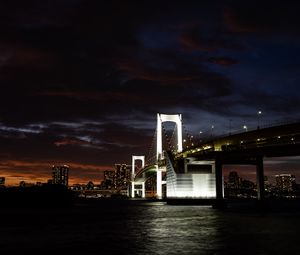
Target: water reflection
148 228
177 230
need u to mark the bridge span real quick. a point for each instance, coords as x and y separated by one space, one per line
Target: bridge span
196 173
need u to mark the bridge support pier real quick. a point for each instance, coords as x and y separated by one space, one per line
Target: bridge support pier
260 179
133 189
158 183
219 180
143 190
220 202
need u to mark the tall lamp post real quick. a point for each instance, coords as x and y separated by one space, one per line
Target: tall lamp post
245 127
200 135
259 113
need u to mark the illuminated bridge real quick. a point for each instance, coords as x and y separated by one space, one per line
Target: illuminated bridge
195 172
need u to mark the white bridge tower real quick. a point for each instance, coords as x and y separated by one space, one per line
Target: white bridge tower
159 151
134 158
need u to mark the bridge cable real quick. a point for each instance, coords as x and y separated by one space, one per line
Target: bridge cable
173 140
189 140
151 156
166 137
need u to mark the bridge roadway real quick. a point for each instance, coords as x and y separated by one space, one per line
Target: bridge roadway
267 141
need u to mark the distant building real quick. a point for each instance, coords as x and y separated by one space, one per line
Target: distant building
109 179
60 175
2 181
90 185
285 182
22 184
234 181
77 187
118 179
122 176
247 185
239 187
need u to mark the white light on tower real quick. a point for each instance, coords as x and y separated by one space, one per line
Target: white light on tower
258 118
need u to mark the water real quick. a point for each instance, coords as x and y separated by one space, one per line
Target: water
147 228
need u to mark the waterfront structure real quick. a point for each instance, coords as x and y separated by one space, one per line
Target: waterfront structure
60 175
195 180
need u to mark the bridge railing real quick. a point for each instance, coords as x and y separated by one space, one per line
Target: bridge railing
254 141
211 139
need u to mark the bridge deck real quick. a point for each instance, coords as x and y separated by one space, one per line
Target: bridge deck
271 142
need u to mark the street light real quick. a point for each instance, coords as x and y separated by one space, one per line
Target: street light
200 133
245 127
212 129
259 113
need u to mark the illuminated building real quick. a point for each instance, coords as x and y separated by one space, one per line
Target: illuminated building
194 179
285 182
60 175
122 176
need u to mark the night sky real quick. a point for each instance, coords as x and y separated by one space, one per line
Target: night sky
82 81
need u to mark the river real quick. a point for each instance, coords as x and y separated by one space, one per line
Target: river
127 227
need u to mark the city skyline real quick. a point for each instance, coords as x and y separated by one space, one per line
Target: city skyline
243 171
82 81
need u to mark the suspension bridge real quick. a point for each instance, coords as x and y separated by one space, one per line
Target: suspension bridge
191 170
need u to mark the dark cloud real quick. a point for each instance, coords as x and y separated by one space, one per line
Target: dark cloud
195 40
271 17
224 61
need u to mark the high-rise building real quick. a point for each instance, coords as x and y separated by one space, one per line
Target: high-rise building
109 179
285 182
234 181
60 175
122 176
